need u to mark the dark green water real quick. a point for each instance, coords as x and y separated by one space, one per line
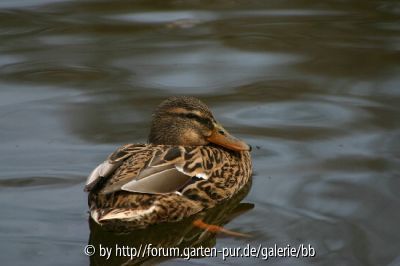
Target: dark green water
314 84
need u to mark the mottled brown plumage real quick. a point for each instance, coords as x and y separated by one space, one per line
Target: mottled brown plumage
191 163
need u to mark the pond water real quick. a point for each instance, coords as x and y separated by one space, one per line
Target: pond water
314 86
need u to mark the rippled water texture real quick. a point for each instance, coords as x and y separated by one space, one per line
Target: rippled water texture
313 85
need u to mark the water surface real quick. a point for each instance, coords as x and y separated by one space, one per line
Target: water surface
313 85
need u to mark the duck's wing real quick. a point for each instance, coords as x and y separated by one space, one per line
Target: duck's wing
172 168
109 166
158 176
166 169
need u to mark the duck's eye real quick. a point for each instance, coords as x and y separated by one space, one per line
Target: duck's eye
221 132
192 116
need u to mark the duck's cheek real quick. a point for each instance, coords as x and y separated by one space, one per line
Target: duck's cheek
192 138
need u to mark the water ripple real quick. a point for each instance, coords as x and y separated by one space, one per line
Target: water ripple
23 182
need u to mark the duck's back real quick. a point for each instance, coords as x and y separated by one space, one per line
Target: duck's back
145 184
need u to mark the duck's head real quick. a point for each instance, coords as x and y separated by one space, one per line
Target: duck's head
187 121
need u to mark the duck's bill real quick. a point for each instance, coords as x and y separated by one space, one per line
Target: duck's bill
221 137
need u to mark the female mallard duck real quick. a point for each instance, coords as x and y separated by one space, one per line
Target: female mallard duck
190 164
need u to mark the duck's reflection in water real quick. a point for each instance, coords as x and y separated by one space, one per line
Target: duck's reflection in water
138 246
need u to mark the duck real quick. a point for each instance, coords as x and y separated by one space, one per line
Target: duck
190 164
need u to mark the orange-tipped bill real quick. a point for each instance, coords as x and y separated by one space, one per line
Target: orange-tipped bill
221 137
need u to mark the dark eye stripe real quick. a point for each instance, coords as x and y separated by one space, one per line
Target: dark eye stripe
204 121
192 116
